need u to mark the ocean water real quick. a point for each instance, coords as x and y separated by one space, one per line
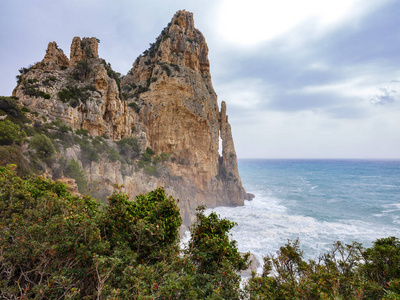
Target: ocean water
318 201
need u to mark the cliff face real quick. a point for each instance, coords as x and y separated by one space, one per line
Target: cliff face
166 101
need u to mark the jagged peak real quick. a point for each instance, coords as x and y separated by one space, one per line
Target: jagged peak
54 57
83 49
180 44
184 19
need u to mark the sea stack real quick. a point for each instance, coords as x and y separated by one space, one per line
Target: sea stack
166 101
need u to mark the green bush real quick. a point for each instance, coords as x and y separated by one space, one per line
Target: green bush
12 155
43 145
113 154
73 95
165 156
149 151
82 132
54 245
129 147
346 272
10 133
149 226
167 70
74 171
151 170
48 240
11 109
82 70
216 257
88 153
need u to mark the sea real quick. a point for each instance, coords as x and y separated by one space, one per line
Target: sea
316 201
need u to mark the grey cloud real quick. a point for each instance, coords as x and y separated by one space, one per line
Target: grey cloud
387 94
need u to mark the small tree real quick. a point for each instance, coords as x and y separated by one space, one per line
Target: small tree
129 147
43 145
382 266
74 171
216 257
148 226
10 133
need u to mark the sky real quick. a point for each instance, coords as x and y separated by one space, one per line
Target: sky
301 78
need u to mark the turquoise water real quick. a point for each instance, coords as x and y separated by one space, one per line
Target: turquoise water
317 201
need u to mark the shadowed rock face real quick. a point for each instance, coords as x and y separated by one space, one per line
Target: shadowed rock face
167 97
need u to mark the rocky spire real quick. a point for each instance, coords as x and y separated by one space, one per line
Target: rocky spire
229 158
84 49
55 57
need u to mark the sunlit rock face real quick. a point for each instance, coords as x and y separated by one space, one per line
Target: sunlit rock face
166 100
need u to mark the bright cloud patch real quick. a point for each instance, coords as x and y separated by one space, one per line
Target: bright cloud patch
253 21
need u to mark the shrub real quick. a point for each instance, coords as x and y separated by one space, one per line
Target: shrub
99 144
167 70
346 272
129 147
149 151
215 256
112 74
73 95
82 70
164 156
146 157
81 131
148 226
113 154
12 155
134 106
43 145
49 240
88 153
10 133
151 170
12 110
74 171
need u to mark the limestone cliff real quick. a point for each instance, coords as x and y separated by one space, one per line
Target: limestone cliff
166 101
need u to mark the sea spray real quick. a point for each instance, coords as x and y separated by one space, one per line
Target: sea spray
318 201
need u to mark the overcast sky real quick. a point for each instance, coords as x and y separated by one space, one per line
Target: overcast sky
301 78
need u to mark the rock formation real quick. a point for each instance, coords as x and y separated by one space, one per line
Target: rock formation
166 101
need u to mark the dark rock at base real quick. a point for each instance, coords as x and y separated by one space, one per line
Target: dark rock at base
249 196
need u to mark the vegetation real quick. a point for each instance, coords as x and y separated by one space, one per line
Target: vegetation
74 171
10 133
30 87
167 70
134 106
346 272
58 246
129 148
73 95
112 74
82 70
43 145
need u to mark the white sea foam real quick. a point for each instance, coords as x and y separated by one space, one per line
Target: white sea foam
264 225
319 202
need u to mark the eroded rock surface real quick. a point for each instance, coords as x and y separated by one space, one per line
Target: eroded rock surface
166 100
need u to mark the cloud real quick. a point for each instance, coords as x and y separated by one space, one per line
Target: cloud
301 78
253 21
386 93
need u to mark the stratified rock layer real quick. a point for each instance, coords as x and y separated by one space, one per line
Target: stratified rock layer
167 101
